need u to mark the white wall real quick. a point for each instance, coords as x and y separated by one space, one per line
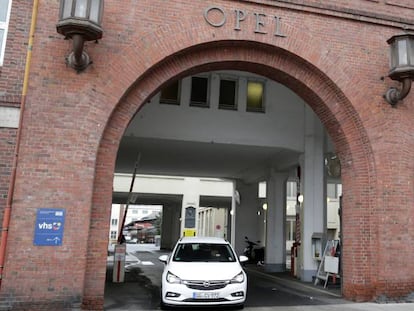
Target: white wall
172 185
281 125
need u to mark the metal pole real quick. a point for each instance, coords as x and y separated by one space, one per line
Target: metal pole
129 198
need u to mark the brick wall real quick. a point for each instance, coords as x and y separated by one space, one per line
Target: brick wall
383 9
7 143
12 71
73 123
11 81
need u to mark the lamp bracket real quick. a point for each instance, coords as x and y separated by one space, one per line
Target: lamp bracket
394 95
78 59
79 65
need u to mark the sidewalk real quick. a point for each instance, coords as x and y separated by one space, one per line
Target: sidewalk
347 307
331 290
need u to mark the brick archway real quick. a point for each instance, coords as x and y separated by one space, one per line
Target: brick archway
325 98
299 61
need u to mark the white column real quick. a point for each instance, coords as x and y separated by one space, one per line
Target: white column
170 225
247 222
191 197
313 209
275 252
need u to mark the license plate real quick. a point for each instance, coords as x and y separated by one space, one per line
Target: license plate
205 295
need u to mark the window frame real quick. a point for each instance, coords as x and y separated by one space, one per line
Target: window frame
196 103
5 27
236 91
170 101
291 189
262 109
202 252
113 234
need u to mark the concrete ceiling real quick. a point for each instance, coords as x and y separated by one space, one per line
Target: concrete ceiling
189 158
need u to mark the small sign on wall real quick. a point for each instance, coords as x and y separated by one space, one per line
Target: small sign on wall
190 217
189 232
49 227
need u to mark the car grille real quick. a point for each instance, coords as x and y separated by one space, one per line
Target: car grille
205 300
206 285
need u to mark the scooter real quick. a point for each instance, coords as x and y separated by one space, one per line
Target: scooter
254 252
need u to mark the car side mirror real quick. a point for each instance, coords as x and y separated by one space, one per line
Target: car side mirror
163 258
243 258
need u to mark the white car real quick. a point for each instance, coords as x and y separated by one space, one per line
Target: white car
203 271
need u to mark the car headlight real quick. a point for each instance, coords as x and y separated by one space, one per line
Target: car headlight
239 278
172 278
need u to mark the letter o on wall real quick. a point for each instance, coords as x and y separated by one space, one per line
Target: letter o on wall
219 23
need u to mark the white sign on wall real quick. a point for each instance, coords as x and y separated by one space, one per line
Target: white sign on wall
9 117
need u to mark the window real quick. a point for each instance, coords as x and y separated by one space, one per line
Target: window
113 235
5 6
114 221
199 92
291 189
290 229
171 94
255 90
227 97
204 252
334 191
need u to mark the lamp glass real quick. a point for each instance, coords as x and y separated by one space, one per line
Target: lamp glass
94 12
401 57
67 9
402 52
410 50
81 8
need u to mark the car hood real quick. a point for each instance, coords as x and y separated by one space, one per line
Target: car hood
205 270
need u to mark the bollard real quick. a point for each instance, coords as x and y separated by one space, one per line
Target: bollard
119 263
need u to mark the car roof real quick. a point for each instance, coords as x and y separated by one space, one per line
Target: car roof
202 239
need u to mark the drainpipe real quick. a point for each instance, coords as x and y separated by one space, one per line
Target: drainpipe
7 211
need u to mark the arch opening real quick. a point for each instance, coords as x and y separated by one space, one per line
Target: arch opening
320 93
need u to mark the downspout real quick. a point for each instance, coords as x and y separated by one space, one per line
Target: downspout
7 211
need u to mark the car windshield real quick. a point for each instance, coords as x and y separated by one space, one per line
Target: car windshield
205 252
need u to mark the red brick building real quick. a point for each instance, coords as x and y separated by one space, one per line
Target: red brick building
333 54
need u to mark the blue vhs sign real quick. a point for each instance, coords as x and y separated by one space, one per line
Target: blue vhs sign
49 227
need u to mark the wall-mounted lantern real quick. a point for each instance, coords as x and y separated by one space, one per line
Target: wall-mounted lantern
80 20
402 66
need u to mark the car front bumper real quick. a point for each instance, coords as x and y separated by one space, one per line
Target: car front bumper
181 295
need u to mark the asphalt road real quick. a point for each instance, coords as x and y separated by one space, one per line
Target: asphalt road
140 291
266 292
